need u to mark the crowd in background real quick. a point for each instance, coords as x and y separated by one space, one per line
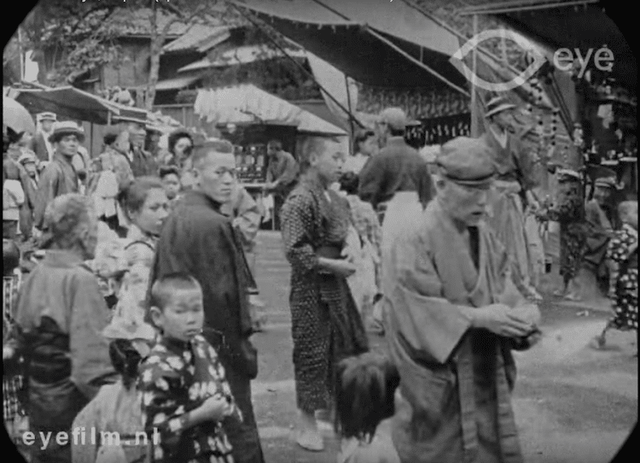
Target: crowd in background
130 298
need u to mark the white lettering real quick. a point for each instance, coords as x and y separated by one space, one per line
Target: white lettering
603 54
28 438
583 61
45 440
110 438
563 59
141 435
62 438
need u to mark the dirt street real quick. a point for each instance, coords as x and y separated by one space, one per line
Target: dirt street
573 403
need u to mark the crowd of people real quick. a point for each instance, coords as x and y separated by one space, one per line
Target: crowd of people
130 298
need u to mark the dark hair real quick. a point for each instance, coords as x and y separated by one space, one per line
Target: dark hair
125 359
134 196
177 135
10 256
164 288
277 144
109 138
349 183
365 392
207 147
168 170
361 137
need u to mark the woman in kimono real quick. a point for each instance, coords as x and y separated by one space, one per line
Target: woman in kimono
326 326
622 254
146 206
569 212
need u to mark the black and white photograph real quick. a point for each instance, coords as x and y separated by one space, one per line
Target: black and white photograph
319 231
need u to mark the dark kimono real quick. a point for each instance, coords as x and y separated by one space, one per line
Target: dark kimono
61 314
176 378
58 178
199 240
456 381
326 325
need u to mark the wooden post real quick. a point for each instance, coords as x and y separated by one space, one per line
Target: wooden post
475 130
346 82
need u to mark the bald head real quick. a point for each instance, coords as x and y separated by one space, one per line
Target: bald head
214 169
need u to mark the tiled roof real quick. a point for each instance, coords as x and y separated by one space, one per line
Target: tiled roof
199 37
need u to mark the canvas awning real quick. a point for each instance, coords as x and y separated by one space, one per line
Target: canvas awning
571 24
385 44
68 102
177 83
248 104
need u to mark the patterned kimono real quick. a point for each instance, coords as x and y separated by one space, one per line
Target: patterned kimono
175 378
326 325
456 381
626 281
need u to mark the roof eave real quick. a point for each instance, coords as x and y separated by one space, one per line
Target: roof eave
514 6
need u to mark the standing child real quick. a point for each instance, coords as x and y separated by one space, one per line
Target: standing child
365 396
170 177
185 393
622 255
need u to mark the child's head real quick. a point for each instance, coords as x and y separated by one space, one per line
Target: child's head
170 176
365 393
349 183
628 212
125 359
176 306
10 257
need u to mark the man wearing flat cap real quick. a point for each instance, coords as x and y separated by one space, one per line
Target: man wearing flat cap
60 176
197 238
515 180
40 144
455 317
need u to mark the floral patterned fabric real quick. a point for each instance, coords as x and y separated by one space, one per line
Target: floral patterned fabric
178 377
625 299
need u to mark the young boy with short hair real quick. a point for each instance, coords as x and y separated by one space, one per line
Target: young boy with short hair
185 393
170 177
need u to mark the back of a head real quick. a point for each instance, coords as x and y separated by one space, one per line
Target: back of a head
396 120
365 392
65 215
125 360
349 183
626 209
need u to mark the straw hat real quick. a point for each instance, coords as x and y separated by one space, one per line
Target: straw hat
60 129
496 105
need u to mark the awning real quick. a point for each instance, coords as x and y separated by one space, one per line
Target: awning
70 103
571 24
242 55
249 104
384 44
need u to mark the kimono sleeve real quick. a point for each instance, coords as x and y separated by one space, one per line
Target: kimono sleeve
85 450
428 325
90 363
619 247
297 224
247 215
290 172
160 385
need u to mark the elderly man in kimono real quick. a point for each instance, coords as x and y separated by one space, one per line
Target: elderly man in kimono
60 317
199 239
454 318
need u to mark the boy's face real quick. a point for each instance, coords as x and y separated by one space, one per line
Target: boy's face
183 316
171 184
